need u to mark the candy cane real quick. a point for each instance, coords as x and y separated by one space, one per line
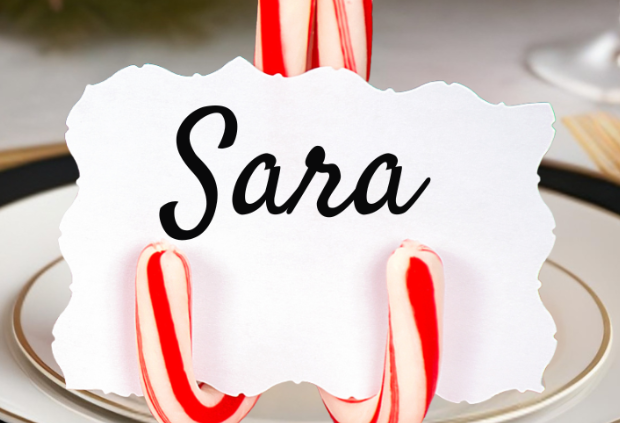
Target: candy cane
415 291
283 32
293 36
164 340
344 32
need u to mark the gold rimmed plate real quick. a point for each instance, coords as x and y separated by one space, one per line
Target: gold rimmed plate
36 309
584 340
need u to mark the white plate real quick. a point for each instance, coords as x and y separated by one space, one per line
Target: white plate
29 234
583 342
587 244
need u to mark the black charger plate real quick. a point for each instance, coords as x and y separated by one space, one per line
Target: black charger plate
36 177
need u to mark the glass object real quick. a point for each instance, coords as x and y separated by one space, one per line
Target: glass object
590 68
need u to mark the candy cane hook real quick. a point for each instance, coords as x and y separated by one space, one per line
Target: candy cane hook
164 338
415 292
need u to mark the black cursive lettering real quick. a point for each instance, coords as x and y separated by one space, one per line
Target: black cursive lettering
199 169
361 190
315 163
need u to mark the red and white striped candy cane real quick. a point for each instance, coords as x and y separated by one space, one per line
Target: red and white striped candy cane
283 32
344 32
293 36
415 292
164 338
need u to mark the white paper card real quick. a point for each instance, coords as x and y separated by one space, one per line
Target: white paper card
301 296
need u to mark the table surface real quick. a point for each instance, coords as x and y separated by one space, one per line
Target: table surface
479 43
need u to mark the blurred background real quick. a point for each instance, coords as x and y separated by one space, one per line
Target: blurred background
51 49
563 52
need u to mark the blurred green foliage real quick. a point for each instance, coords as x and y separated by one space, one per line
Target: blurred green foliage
66 22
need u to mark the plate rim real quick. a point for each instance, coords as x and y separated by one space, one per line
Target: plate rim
7 413
504 414
39 364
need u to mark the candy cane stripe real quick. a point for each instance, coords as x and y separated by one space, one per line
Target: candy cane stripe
344 28
283 36
312 51
415 287
293 36
368 28
271 41
422 298
345 35
146 383
172 354
163 329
